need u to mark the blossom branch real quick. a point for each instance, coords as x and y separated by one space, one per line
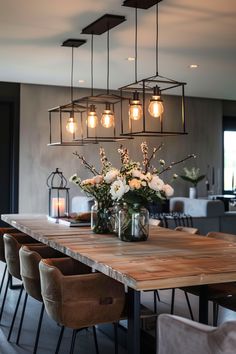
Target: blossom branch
178 162
91 168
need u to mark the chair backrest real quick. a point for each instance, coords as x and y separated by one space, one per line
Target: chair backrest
180 335
190 230
30 256
12 245
222 236
4 230
78 300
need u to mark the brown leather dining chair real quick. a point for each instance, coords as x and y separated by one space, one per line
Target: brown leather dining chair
79 301
12 245
30 256
4 230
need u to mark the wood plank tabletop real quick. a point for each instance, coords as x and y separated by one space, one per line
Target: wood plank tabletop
167 259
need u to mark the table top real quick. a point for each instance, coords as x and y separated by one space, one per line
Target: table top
167 259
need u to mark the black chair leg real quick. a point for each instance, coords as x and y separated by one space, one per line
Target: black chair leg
189 306
15 313
3 278
22 319
158 295
116 337
215 313
73 341
59 340
95 339
4 297
11 286
38 329
172 302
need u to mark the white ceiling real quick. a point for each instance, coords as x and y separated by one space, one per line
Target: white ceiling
202 32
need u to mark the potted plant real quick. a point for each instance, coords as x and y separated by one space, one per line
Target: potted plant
193 176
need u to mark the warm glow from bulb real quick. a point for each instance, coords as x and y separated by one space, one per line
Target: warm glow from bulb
155 107
135 110
107 119
71 125
92 120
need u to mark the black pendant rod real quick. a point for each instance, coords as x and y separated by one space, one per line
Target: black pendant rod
72 75
108 59
157 39
136 44
92 64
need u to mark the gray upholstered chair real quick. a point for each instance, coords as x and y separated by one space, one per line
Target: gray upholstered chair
178 335
218 293
79 301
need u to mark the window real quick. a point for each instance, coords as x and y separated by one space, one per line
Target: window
229 143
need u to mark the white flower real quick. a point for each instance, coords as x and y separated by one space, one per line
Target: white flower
118 189
111 175
156 183
148 177
168 190
136 173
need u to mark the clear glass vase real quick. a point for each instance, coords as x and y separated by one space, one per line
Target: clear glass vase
100 218
133 223
114 217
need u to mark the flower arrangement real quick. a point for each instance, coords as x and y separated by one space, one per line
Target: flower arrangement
134 182
192 175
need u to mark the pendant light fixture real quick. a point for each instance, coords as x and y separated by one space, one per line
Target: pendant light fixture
66 121
102 117
147 111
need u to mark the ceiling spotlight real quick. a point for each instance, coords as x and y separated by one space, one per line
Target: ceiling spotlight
81 81
130 59
193 66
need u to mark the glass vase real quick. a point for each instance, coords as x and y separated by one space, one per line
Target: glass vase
114 217
133 223
100 218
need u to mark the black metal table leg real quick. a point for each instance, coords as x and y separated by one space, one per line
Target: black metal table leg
203 304
133 321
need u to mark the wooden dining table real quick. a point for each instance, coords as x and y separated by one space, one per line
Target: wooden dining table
168 259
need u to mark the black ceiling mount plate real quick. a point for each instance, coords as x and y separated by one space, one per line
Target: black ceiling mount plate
73 42
103 24
140 4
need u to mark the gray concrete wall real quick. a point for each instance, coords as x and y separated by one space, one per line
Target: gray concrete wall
37 160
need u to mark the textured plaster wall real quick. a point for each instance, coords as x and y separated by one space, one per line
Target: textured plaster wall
37 160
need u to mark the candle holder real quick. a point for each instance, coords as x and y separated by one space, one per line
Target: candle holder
58 195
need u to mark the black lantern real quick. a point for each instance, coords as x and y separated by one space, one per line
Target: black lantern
58 199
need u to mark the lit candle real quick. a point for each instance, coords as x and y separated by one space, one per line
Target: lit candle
58 207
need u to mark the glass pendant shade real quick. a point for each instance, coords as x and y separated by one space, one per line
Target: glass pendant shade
156 107
92 119
71 125
108 118
135 107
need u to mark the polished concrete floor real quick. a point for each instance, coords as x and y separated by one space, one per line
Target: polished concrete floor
84 342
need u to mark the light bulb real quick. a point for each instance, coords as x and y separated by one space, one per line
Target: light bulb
155 107
135 107
108 118
71 125
92 119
